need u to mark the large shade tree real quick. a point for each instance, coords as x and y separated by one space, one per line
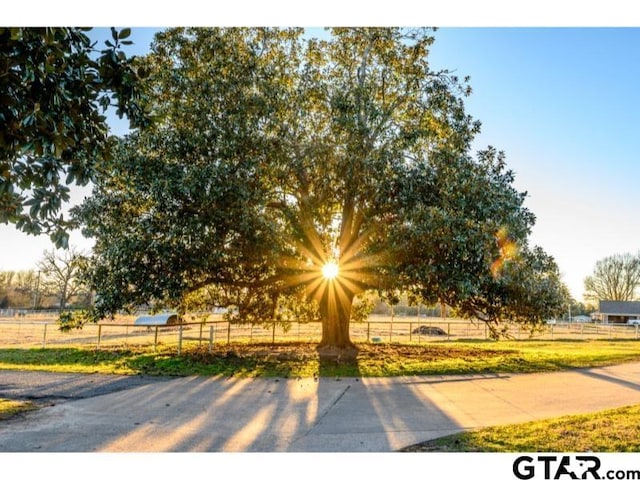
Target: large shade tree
288 176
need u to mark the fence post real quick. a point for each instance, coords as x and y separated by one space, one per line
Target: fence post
228 333
449 331
211 339
410 332
44 337
200 339
180 340
391 329
273 334
155 340
368 330
99 336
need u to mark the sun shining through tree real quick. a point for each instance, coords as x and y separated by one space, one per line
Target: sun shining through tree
287 176
330 270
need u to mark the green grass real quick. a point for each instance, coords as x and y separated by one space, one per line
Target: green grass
9 408
612 431
615 430
301 360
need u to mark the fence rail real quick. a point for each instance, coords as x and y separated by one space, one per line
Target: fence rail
44 332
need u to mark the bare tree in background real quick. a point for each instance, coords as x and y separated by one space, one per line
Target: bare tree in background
59 270
614 278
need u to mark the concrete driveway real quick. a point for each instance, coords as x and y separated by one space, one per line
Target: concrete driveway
198 414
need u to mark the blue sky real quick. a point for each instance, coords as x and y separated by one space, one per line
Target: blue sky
564 105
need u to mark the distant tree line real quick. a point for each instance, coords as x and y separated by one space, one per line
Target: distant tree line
54 285
405 310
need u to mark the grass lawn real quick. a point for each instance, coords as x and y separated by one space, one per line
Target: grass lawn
615 430
8 408
300 359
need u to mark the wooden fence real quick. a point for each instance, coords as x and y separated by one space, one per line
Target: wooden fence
31 333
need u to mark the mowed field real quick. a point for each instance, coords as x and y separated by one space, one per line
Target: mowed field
42 331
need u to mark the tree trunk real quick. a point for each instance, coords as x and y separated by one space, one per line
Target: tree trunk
335 311
63 299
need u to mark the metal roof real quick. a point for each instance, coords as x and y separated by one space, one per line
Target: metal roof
160 319
619 308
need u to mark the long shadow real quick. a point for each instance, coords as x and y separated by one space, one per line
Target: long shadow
436 379
49 386
372 414
609 378
225 414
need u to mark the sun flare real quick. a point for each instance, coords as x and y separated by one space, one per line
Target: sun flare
330 270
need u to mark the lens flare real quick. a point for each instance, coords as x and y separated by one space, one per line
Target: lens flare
330 270
508 251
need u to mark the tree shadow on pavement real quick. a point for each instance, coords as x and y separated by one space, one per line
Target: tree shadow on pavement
327 413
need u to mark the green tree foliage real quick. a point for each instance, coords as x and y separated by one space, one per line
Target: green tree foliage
274 155
54 89
463 242
527 290
614 278
577 308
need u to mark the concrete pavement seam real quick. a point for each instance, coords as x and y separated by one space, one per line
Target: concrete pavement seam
319 420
